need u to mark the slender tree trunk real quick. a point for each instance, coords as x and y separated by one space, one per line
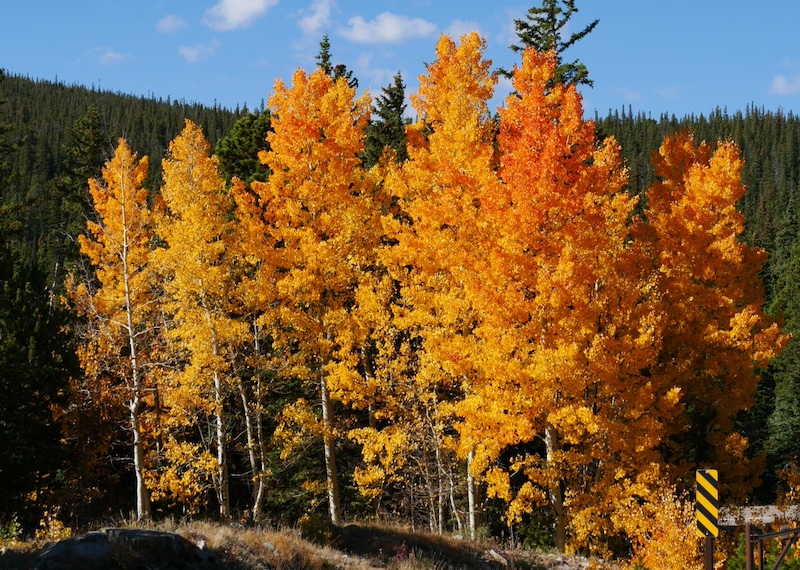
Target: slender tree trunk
451 491
261 442
431 494
262 456
440 487
222 458
137 388
553 445
252 452
471 495
142 493
329 445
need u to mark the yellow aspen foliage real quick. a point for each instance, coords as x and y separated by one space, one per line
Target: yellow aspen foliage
186 478
312 229
198 266
417 361
716 335
119 303
665 535
569 322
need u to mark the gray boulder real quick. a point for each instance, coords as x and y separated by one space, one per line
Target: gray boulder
125 548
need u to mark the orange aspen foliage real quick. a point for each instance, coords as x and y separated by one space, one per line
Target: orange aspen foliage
119 303
312 229
570 323
716 334
663 531
198 265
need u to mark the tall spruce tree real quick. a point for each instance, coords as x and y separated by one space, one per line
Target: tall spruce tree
238 151
325 62
543 29
389 130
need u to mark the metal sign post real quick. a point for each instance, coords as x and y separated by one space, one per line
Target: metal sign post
707 510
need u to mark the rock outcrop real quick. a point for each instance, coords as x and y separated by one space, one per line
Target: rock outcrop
125 548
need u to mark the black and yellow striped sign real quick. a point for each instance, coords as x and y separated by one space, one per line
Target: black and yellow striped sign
707 507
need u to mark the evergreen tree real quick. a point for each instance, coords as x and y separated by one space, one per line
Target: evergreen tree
238 151
389 130
543 29
324 62
35 366
87 148
784 422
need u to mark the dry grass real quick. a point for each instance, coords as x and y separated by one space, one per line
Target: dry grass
353 547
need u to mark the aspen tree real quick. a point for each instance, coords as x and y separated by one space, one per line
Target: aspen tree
569 323
119 301
431 237
715 334
199 268
316 224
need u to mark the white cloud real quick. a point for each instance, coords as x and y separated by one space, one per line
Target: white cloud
667 92
387 28
781 85
790 64
170 23
504 88
377 77
199 52
508 35
458 28
229 15
318 18
628 94
108 56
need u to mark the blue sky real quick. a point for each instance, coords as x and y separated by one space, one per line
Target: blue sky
676 56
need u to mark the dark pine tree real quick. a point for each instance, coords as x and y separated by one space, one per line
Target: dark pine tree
238 151
544 29
782 447
36 362
325 62
388 130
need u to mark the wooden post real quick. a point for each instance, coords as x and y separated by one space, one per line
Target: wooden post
748 547
709 552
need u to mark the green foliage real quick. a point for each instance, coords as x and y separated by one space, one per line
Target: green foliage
773 548
325 62
544 29
36 362
11 529
238 150
55 134
388 130
784 422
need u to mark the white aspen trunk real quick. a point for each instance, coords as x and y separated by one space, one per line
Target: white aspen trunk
553 445
471 495
260 450
142 494
329 446
262 455
440 470
255 474
137 389
451 491
222 458
366 360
